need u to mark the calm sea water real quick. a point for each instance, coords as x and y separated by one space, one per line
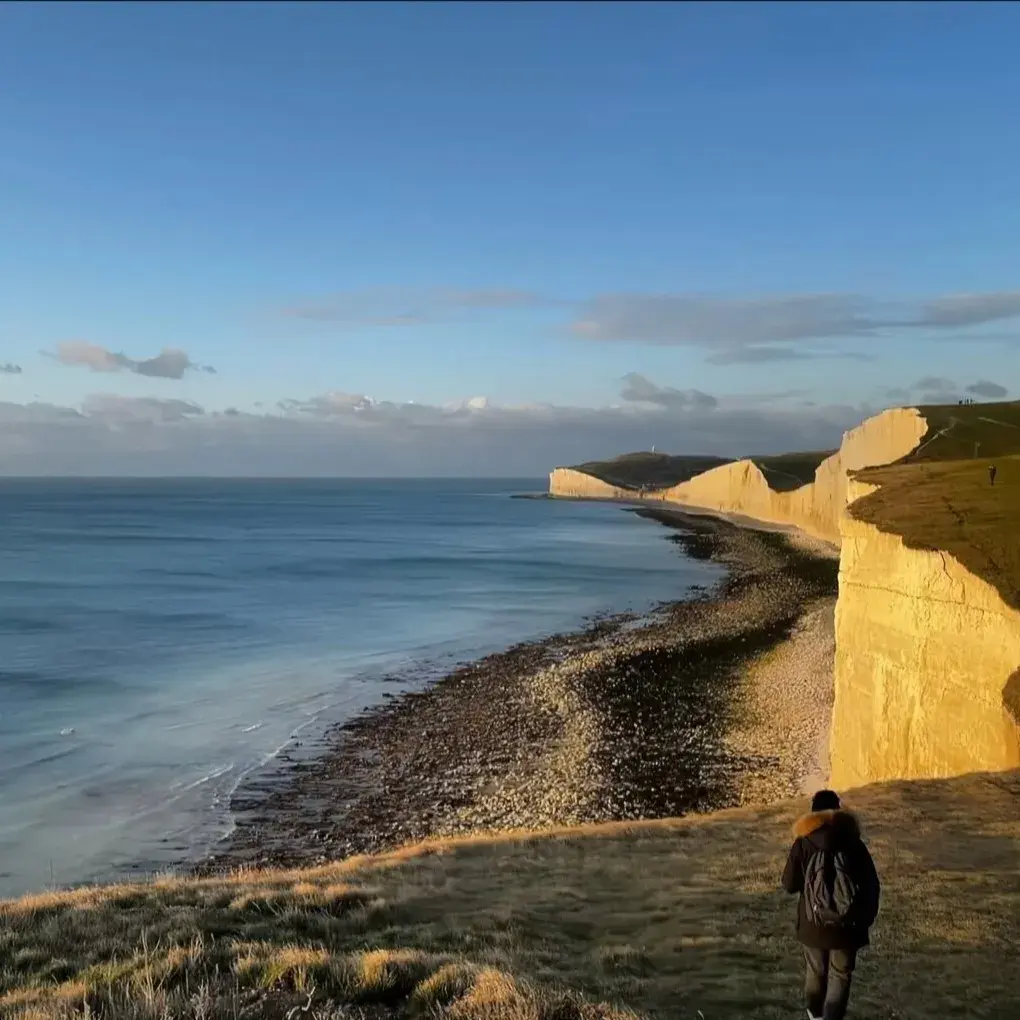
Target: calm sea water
159 640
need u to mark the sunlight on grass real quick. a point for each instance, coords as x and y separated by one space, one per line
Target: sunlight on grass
658 919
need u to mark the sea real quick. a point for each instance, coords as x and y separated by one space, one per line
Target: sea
162 640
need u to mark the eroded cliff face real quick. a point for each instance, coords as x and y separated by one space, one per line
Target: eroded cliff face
815 508
570 484
924 655
927 666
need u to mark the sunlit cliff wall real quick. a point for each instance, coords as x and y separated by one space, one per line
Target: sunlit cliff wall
570 484
817 507
924 650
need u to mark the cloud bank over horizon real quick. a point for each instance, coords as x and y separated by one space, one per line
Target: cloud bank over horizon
338 433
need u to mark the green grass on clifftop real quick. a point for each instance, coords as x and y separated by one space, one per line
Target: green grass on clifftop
940 496
785 471
953 506
653 470
660 470
966 431
680 919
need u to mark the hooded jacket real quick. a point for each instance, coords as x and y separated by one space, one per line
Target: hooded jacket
834 831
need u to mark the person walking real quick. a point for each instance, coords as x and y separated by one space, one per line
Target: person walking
991 474
831 869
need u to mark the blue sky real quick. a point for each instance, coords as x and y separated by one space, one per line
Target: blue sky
776 218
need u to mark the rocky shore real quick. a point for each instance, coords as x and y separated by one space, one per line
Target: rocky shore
713 701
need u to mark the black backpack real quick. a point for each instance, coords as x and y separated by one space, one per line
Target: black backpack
830 892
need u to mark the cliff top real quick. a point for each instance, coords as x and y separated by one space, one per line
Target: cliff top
660 471
952 505
966 431
653 470
664 918
941 496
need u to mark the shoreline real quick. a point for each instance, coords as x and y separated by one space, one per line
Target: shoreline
626 719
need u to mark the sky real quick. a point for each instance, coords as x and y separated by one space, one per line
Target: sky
488 239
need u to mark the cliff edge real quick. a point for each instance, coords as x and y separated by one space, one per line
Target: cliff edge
927 665
816 508
924 653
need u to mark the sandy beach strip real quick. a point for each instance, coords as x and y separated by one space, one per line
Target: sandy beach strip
721 699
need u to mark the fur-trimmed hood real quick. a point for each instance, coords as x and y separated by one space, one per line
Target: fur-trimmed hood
842 823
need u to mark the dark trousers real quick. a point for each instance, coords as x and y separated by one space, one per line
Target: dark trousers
827 985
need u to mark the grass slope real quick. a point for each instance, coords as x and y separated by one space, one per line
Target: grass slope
786 471
664 918
940 496
951 505
660 470
966 431
653 470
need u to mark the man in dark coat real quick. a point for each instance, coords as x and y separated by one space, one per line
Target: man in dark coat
830 951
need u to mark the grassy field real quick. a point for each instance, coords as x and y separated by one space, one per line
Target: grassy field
679 919
966 431
952 505
940 496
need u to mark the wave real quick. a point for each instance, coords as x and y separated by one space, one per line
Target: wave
216 773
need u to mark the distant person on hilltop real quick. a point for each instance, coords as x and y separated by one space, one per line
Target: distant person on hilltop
832 870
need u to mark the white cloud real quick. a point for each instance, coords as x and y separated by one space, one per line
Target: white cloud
934 382
170 363
349 434
970 309
756 355
779 327
987 389
936 389
638 389
110 407
721 322
408 306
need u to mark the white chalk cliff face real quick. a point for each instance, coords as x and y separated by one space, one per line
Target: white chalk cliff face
924 648
570 484
815 508
924 651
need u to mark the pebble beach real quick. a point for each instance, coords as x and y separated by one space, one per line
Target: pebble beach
721 699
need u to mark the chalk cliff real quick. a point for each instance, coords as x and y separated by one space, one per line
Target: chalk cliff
924 651
815 508
570 484
927 654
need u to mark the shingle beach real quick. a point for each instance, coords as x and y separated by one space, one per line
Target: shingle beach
721 699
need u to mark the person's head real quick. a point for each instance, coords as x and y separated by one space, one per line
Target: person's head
825 800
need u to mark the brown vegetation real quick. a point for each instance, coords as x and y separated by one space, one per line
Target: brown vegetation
664 918
952 506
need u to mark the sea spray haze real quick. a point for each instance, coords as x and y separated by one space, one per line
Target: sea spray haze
160 639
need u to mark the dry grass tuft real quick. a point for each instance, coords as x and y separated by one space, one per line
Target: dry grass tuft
664 919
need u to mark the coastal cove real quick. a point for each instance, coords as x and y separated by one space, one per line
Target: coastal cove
164 640
632 718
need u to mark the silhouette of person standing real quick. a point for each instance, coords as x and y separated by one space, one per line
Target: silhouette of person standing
991 474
